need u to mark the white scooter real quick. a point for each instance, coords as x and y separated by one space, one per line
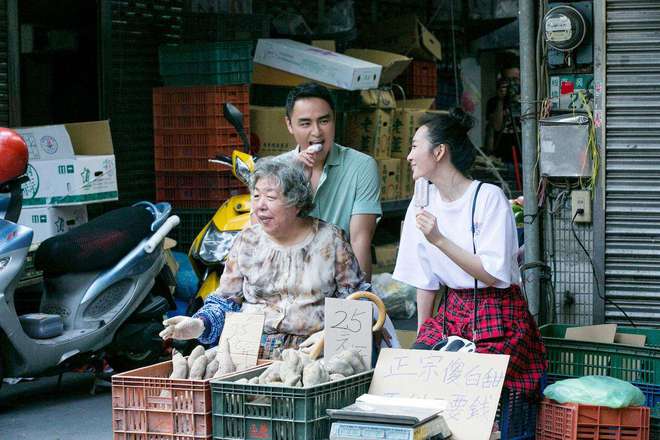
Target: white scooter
97 296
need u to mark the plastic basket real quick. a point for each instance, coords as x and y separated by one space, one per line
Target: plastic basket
278 412
572 421
655 427
516 416
191 151
568 358
420 80
224 27
198 108
148 405
651 392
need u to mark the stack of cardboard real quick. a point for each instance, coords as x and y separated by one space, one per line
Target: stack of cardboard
70 166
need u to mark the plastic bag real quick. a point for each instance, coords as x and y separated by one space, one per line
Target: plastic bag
400 299
340 18
187 282
596 390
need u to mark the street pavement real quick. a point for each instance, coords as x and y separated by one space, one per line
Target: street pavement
39 410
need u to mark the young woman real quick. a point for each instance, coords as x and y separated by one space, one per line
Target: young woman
465 239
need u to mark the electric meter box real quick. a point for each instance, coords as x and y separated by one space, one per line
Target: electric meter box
565 146
568 30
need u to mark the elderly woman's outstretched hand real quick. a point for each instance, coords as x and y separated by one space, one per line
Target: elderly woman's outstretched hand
182 327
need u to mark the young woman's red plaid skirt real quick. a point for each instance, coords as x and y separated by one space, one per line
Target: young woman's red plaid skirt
504 326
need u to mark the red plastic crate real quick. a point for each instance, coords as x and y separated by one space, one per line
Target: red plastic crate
202 180
420 80
573 421
148 405
198 107
197 190
187 150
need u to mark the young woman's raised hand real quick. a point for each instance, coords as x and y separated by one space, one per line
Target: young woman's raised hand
427 223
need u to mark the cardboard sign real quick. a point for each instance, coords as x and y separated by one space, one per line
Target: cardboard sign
243 331
470 383
603 333
348 324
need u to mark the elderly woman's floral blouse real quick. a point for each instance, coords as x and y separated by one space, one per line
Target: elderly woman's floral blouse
289 284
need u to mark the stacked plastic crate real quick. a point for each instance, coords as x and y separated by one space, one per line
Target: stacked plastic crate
190 129
420 80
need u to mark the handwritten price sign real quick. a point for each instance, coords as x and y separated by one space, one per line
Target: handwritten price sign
471 384
348 325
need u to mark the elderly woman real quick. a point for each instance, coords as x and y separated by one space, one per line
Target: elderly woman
283 266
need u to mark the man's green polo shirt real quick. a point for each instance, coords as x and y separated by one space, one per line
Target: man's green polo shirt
349 185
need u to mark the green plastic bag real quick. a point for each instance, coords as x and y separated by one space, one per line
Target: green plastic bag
596 390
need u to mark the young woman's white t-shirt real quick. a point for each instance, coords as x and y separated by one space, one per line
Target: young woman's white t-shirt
422 265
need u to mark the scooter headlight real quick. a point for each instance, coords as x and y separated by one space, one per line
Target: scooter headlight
215 245
243 171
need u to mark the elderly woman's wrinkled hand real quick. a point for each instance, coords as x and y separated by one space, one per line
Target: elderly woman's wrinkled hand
182 327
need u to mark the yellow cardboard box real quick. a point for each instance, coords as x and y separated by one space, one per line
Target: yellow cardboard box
406 122
386 254
389 178
268 126
370 132
393 63
377 98
406 35
407 185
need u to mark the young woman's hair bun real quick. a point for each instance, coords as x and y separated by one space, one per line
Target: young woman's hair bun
461 118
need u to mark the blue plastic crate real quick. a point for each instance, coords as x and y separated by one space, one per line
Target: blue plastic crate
517 416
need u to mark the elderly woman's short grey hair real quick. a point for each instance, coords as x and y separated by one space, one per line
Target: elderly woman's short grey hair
290 177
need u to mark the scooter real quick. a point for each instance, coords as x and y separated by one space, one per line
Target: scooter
210 248
97 297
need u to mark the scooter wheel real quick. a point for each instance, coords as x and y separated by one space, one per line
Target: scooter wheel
136 345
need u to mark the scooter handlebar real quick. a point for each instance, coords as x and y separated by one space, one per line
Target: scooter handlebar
161 233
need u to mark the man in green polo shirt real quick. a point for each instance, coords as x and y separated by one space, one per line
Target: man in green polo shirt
345 181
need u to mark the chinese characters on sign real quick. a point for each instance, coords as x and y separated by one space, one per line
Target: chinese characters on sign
243 330
470 383
348 326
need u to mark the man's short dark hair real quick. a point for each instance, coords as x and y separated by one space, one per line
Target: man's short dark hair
308 90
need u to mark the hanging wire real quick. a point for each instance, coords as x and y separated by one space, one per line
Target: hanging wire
453 51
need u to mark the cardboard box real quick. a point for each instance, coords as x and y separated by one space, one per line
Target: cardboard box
393 63
322 65
48 221
406 122
406 35
268 76
390 173
325 44
407 185
71 167
267 124
377 98
386 254
370 132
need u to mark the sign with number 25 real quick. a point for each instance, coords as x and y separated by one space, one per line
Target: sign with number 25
348 326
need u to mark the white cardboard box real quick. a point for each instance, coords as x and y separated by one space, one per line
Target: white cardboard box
48 221
317 64
80 170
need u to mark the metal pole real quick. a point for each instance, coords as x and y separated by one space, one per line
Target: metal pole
526 23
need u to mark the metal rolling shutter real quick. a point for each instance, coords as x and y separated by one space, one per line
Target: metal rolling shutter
632 148
4 74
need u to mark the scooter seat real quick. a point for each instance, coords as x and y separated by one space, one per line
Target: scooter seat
96 245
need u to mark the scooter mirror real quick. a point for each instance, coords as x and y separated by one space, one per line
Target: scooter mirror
235 118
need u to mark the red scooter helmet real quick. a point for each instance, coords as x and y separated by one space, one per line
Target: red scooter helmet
13 155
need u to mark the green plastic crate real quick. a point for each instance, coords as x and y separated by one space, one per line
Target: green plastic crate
655 427
626 362
242 411
206 63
